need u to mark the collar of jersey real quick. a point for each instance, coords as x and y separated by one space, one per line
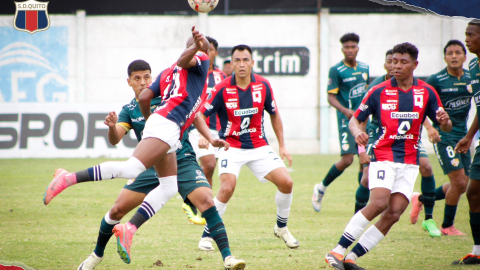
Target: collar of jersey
234 83
393 82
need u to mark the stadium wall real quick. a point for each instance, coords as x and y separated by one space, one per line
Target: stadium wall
77 69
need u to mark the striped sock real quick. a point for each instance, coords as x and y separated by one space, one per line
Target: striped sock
367 242
283 201
218 231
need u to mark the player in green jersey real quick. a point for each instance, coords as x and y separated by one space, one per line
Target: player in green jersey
192 184
452 85
347 84
472 41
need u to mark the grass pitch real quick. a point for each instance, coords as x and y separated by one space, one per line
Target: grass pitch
62 234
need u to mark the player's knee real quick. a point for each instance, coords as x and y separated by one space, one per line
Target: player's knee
392 216
117 213
347 160
287 186
473 196
379 205
364 180
426 169
133 167
461 186
227 190
208 167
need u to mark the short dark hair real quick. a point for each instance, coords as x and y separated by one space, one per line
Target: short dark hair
138 65
242 47
454 42
389 52
213 41
407 48
475 22
350 37
227 61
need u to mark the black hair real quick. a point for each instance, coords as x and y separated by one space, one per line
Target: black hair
407 48
227 61
213 41
389 52
138 65
454 42
350 37
242 47
475 22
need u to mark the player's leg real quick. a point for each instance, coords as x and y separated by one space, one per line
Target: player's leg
428 197
363 193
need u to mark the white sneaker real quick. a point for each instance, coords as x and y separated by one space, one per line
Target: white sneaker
90 263
234 264
317 198
205 244
284 234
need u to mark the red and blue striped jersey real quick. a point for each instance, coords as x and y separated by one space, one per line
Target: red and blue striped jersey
240 111
401 115
183 91
214 78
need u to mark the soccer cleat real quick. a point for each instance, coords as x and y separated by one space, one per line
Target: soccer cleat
351 265
430 226
58 184
124 240
317 198
451 231
284 233
195 219
90 263
233 263
417 206
205 244
334 260
470 259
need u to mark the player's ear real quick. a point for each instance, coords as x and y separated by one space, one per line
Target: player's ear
415 64
128 81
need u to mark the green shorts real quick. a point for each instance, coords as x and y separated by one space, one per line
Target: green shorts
347 141
421 150
189 177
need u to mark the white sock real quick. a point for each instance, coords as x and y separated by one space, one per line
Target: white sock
351 256
370 238
109 220
340 250
321 187
128 169
476 250
159 196
356 226
221 207
283 201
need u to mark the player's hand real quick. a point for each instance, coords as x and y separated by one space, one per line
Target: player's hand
433 135
463 145
442 116
361 138
203 143
285 154
220 143
348 113
111 119
364 158
198 38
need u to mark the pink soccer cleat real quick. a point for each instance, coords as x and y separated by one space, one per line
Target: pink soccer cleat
61 180
124 234
417 206
451 231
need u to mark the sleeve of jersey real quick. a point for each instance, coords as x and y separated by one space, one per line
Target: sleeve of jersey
270 105
333 81
124 120
212 104
155 86
434 103
367 106
203 62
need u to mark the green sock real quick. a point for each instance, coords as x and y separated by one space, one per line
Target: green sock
475 225
104 235
217 230
360 175
428 191
439 195
332 174
361 198
449 215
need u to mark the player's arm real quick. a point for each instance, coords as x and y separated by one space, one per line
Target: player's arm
366 108
333 101
464 144
201 126
433 135
277 125
187 59
144 100
115 132
361 138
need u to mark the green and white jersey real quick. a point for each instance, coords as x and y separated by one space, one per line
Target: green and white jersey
456 95
372 126
475 83
349 84
131 117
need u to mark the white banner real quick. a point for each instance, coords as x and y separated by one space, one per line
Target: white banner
56 130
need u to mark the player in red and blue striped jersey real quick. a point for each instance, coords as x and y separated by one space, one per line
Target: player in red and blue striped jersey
401 105
240 102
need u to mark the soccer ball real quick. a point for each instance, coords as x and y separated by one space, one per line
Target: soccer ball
203 6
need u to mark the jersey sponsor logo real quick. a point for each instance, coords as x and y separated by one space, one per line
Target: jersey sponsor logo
389 107
194 109
228 128
401 137
231 90
244 112
138 119
447 90
231 105
363 107
404 115
458 103
460 83
208 106
247 130
232 99
392 101
257 87
476 98
475 81
199 175
358 90
418 91
391 92
349 79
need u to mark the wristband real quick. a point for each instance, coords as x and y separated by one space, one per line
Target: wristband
361 149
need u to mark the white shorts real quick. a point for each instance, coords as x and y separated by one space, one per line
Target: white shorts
397 177
194 136
163 129
261 161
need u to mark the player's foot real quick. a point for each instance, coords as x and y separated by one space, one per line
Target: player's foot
284 233
195 219
417 206
430 226
90 263
451 231
124 234
351 265
233 263
470 259
317 198
205 244
334 260
58 184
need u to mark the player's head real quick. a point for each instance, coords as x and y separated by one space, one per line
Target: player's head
388 65
455 54
227 67
404 60
350 46
139 76
213 50
205 47
472 37
242 60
